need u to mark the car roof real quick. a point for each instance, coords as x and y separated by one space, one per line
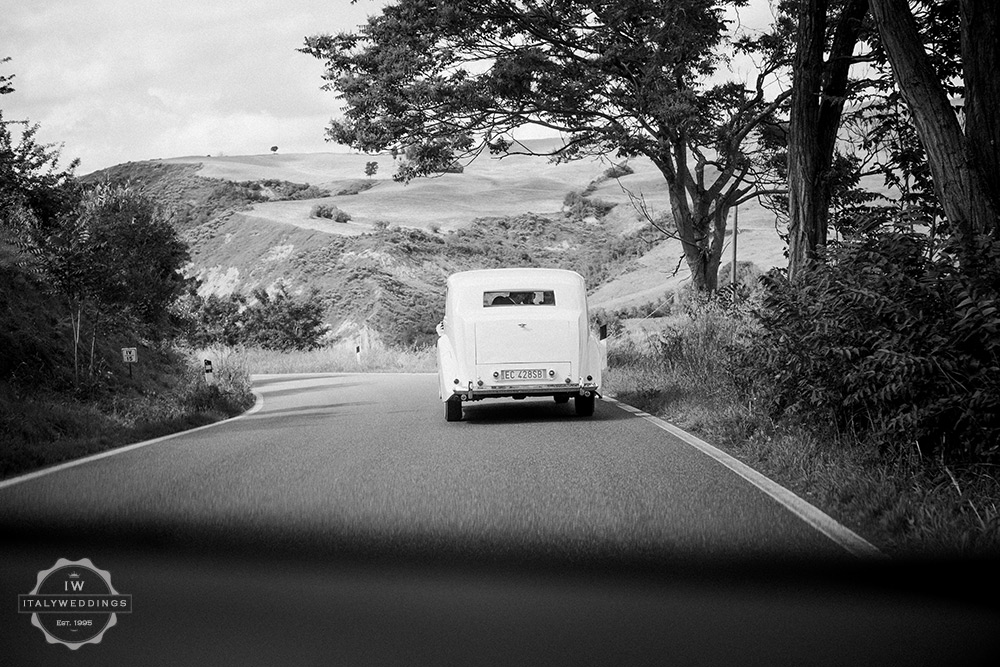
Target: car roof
515 278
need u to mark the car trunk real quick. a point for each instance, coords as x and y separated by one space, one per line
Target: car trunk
525 340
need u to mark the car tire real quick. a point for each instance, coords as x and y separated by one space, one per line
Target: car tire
453 410
562 398
584 405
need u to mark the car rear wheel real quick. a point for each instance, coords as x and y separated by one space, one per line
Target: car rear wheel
562 398
453 410
584 405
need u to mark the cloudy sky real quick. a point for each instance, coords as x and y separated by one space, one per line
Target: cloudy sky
120 80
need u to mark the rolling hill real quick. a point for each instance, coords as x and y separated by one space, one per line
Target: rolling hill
250 223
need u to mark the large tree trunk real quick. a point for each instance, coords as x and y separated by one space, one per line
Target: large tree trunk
807 216
693 224
981 65
956 184
817 105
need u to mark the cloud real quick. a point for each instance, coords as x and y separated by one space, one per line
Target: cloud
118 80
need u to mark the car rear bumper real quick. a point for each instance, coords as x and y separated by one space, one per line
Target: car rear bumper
472 393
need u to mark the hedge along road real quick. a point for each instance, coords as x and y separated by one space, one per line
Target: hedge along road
343 521
368 461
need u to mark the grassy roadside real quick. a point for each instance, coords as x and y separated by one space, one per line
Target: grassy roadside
904 506
44 427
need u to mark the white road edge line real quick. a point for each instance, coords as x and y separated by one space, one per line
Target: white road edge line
824 523
258 404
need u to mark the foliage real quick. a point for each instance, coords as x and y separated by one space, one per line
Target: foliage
33 187
273 189
113 260
273 320
616 171
901 503
628 78
330 212
578 206
40 427
280 321
139 268
930 119
890 339
29 331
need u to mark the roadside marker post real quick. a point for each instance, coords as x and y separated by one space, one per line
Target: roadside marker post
130 355
209 378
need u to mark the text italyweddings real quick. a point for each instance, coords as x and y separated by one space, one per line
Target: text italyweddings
83 603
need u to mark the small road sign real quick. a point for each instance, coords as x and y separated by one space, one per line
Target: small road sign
130 355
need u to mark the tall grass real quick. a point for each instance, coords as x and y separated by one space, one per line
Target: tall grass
904 505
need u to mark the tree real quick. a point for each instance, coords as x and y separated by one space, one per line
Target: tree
33 187
960 162
273 321
455 78
113 259
140 266
280 321
820 87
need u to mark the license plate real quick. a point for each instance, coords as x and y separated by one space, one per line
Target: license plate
523 374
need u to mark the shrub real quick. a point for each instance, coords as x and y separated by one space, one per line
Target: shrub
891 339
277 321
578 206
618 170
329 212
320 211
284 322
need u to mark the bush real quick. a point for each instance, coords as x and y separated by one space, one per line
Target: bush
278 321
578 206
618 170
890 339
329 212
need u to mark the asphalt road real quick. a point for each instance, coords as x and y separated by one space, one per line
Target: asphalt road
346 521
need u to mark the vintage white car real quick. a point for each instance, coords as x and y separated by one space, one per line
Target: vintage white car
517 333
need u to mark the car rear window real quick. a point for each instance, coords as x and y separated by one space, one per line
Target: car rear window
519 298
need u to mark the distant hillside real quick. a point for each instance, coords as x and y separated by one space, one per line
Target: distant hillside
193 199
251 223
